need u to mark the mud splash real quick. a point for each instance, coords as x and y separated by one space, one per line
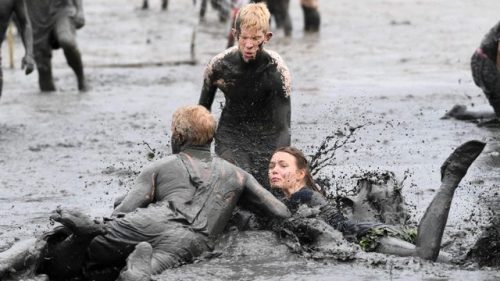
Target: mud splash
361 68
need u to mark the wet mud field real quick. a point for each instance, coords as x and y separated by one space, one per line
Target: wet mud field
394 67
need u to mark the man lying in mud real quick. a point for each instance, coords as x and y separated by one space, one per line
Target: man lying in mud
289 172
485 65
8 8
255 119
177 207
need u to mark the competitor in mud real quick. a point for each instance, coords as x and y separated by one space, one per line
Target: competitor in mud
255 119
221 6
485 65
164 4
178 206
54 26
17 8
288 171
312 19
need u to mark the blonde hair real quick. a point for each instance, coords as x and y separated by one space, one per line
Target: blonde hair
193 124
253 16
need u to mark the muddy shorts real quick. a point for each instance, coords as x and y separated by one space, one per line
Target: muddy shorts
173 246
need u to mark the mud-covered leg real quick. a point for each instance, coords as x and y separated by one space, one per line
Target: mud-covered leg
177 246
203 9
138 266
145 5
285 15
164 4
431 227
45 79
66 37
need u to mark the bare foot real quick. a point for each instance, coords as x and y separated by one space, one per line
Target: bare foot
138 264
79 223
459 161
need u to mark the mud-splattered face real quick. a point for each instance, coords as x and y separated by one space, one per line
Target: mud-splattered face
250 42
284 174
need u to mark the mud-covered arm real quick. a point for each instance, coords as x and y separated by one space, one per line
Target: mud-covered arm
26 30
141 194
209 88
79 17
261 199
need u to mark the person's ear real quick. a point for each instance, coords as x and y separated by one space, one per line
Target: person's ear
302 174
267 37
235 33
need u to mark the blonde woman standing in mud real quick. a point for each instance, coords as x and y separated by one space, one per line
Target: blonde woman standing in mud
289 172
255 119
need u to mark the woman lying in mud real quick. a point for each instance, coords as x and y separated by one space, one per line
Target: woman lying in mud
288 171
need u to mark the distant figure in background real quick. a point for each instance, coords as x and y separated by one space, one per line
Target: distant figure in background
54 26
164 4
485 65
17 8
311 15
221 6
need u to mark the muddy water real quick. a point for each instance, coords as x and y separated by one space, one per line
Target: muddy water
394 66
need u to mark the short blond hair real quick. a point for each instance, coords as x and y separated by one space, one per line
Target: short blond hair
193 124
253 16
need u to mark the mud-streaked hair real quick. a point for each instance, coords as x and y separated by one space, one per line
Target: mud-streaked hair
302 164
253 16
193 124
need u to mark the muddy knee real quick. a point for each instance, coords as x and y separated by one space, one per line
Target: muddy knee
138 266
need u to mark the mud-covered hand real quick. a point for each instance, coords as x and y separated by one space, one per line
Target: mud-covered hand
28 63
79 19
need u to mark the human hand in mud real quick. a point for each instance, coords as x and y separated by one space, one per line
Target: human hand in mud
79 19
29 63
79 223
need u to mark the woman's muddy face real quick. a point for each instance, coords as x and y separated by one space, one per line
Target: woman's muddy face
284 174
250 42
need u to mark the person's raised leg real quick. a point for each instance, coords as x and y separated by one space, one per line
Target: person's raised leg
431 227
66 37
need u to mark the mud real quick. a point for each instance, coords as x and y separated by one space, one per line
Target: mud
396 66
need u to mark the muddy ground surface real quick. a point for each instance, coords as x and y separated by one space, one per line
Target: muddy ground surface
395 66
